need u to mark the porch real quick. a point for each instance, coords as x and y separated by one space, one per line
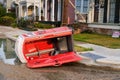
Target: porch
39 10
104 28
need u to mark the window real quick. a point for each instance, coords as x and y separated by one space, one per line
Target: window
85 6
78 5
112 10
82 6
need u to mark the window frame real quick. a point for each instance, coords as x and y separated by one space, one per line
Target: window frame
82 7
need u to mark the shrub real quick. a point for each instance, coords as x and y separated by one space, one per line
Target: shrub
87 31
6 20
26 25
2 11
42 26
0 20
11 15
22 23
14 25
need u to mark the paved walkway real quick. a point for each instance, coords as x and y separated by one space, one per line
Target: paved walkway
10 32
101 56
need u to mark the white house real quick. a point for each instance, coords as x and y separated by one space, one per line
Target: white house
104 16
104 11
41 10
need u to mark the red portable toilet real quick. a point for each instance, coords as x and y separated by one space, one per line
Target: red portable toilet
50 47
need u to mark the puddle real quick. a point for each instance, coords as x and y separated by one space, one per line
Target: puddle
92 56
1 77
7 53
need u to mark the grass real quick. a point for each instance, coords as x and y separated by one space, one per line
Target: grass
80 49
98 39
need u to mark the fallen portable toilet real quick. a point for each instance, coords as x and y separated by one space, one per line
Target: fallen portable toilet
50 47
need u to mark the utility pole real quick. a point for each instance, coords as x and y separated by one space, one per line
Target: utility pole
65 12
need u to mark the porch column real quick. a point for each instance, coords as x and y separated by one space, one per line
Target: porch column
91 10
101 11
20 11
26 13
108 11
16 9
53 9
34 13
59 10
39 10
45 10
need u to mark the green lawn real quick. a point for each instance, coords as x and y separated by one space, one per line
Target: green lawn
98 39
80 49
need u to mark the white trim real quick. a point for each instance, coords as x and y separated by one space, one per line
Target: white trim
81 6
19 11
104 26
26 13
39 10
52 12
19 49
45 10
91 12
34 12
59 10
108 11
101 15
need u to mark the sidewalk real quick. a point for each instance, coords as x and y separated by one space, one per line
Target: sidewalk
101 56
10 32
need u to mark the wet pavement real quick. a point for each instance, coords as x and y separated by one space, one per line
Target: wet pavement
1 77
71 71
